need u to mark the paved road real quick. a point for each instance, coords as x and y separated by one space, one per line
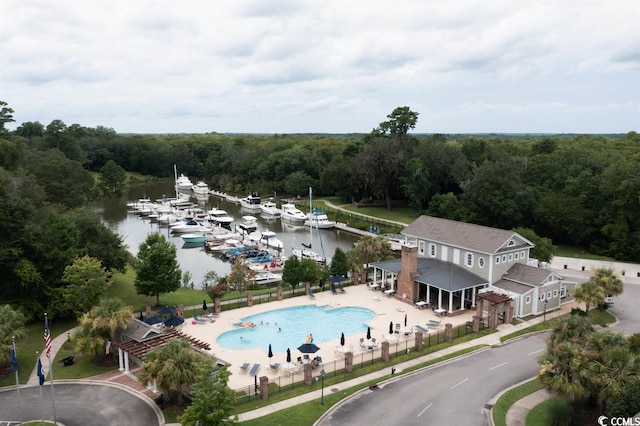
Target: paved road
81 404
453 393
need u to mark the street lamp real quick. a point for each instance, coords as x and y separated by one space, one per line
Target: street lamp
68 337
322 374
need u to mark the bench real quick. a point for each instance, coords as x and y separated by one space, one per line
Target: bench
67 361
254 369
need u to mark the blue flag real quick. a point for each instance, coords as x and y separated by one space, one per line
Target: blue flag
40 372
14 360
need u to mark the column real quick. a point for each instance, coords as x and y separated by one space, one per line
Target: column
120 361
126 362
155 386
450 301
264 388
439 298
473 297
385 352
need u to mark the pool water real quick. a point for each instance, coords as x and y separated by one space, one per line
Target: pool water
289 327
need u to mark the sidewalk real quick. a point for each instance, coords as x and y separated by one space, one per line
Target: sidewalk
490 340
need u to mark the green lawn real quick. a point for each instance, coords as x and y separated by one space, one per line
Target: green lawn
577 253
510 397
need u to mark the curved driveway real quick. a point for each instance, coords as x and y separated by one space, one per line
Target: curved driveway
455 392
81 403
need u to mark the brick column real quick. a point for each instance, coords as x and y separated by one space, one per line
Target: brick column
307 375
181 311
348 362
385 352
476 323
448 332
405 280
508 314
418 341
249 299
279 292
148 310
264 388
216 305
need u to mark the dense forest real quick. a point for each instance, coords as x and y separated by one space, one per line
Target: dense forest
580 190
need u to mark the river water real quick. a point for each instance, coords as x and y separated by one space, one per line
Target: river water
196 260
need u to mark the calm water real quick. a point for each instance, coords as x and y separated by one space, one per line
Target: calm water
288 327
195 259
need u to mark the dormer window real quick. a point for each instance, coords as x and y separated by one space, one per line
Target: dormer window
511 243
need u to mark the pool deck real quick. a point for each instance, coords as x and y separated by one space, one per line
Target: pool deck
387 309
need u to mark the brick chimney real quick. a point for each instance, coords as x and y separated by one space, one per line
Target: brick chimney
408 270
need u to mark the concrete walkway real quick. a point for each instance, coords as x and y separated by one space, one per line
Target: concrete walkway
517 414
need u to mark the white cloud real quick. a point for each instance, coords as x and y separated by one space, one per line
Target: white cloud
250 66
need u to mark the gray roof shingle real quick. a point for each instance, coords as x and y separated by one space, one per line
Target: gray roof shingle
525 274
460 234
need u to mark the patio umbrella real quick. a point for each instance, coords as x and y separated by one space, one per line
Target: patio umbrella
405 320
173 321
288 355
167 311
141 318
308 348
270 355
368 333
204 305
342 339
391 327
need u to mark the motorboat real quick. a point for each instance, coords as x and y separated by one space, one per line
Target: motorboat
183 183
200 188
248 225
189 226
304 253
319 219
290 212
266 277
275 264
269 208
251 202
194 238
220 217
270 239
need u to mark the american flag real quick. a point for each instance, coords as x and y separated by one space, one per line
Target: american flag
47 338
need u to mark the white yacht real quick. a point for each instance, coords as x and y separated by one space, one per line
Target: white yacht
220 217
290 212
251 202
319 219
269 208
200 188
270 239
183 183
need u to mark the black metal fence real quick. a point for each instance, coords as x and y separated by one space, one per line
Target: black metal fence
285 380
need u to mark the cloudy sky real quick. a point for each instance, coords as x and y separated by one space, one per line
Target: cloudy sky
330 66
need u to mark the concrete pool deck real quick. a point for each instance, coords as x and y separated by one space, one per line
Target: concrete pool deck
387 309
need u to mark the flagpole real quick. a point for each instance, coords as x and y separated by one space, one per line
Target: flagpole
48 353
41 380
14 364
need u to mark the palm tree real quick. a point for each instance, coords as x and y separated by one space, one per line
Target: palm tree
88 339
590 293
11 325
111 315
575 329
564 369
172 366
373 249
608 281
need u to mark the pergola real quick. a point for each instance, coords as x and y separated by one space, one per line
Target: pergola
494 304
138 350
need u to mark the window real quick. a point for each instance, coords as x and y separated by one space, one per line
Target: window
468 259
527 300
516 255
555 293
510 257
421 246
481 262
504 258
497 260
548 295
542 296
432 250
563 291
522 254
511 243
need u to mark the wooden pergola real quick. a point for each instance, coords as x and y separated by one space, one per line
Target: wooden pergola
494 304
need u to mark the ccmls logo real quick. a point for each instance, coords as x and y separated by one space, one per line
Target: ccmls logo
602 420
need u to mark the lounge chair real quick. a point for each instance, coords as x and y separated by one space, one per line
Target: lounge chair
244 367
333 288
422 329
310 293
397 330
341 288
254 369
275 367
203 320
362 342
300 359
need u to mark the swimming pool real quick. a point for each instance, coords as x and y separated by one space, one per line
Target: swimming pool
288 327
